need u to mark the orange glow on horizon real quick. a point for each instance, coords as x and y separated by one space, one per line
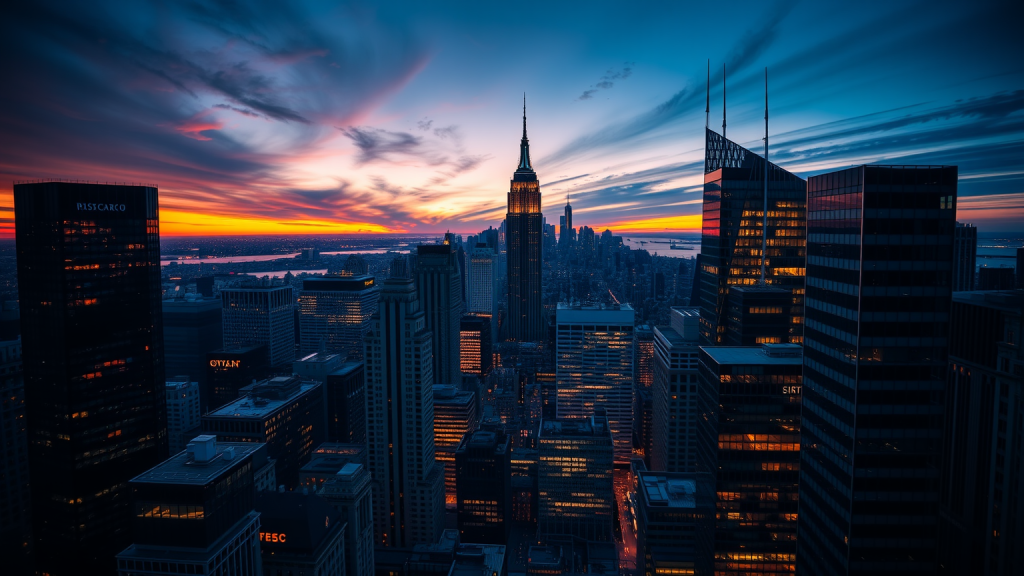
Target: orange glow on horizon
682 223
178 223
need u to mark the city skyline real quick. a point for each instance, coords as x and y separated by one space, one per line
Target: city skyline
390 120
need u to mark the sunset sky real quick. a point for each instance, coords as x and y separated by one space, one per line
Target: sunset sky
334 117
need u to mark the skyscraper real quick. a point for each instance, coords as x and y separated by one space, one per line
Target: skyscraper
879 280
228 371
981 513
965 256
454 417
475 345
92 337
439 288
300 534
345 397
594 368
349 490
675 519
749 442
336 311
193 513
260 315
523 231
576 496
192 329
15 517
183 412
480 292
483 486
674 392
731 241
408 483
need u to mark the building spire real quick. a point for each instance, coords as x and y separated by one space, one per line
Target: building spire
524 144
764 225
723 100
707 101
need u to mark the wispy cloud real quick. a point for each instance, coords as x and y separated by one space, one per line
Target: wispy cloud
608 80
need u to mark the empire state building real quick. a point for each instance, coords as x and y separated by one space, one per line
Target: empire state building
523 232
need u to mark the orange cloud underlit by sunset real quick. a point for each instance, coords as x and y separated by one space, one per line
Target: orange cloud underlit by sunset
178 223
682 223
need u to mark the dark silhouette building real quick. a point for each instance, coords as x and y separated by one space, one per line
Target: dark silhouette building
981 524
345 395
15 504
879 283
748 439
483 484
990 278
523 238
300 534
439 287
675 519
92 337
475 347
758 315
228 371
731 241
192 329
334 312
965 256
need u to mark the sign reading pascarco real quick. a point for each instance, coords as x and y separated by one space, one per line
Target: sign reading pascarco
99 207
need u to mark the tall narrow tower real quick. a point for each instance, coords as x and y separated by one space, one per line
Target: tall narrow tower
523 233
408 485
439 286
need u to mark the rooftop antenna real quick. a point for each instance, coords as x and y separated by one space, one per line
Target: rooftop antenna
524 114
764 226
723 100
707 101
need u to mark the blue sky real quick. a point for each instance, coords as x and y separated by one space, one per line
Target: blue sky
326 117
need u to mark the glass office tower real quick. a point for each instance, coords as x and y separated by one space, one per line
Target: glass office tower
92 336
879 283
731 242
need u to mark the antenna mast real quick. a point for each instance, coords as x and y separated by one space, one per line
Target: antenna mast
723 100
707 101
764 226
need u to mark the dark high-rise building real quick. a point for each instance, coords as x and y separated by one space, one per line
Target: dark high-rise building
1001 278
345 395
483 485
15 518
749 441
439 286
475 346
408 482
1020 268
758 315
454 417
574 475
284 412
192 329
255 315
981 511
228 371
349 491
879 282
731 240
335 311
965 256
300 534
674 392
675 521
523 232
193 514
92 337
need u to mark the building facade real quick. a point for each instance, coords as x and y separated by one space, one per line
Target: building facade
349 491
480 277
439 288
475 345
749 442
408 482
260 315
879 285
574 475
183 412
731 240
228 371
674 393
675 519
194 513
981 514
192 329
965 256
523 238
334 312
483 485
92 342
345 395
283 412
594 368
454 417
15 500
300 534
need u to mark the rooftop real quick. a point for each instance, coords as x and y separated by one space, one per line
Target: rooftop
669 490
339 283
546 555
776 354
182 468
574 427
257 406
1009 300
478 560
579 313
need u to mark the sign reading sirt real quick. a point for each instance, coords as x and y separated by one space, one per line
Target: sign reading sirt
94 207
